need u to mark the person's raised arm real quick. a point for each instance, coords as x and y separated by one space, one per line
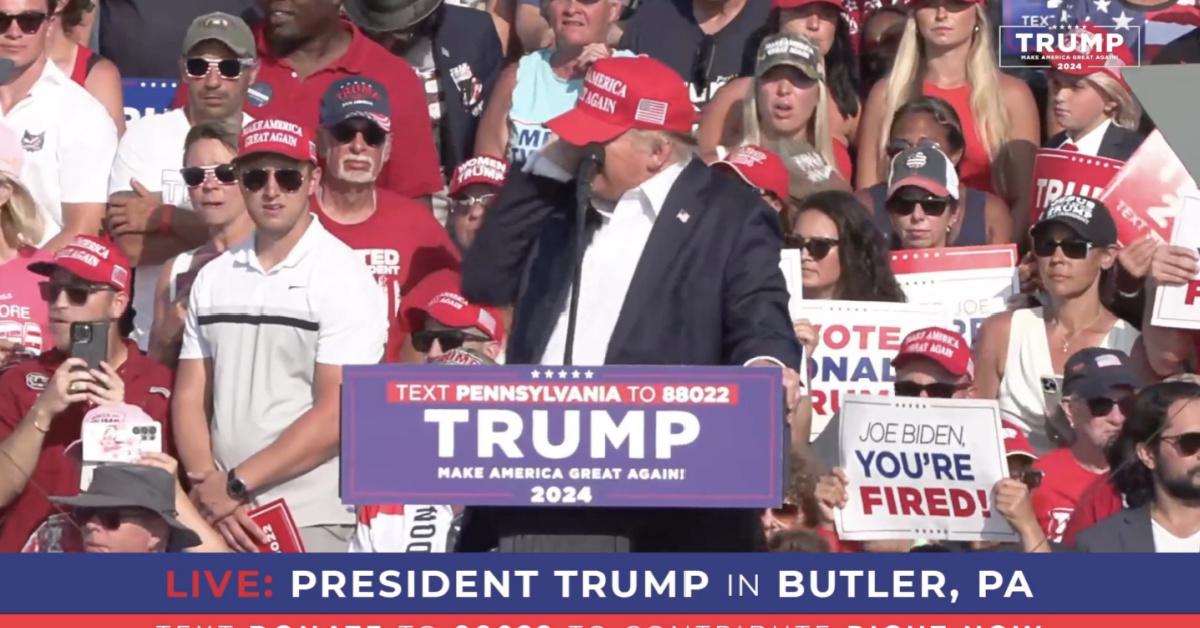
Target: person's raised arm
211 541
1169 351
867 170
991 349
491 138
1025 136
715 122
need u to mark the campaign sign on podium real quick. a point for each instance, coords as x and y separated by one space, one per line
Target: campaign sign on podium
563 436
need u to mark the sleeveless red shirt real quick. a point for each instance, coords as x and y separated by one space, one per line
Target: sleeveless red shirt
975 169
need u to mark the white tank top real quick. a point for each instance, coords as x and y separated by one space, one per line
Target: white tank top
182 263
1028 366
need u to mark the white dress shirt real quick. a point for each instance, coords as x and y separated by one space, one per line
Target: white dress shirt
608 266
1089 144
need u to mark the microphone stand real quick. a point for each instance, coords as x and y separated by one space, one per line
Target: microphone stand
589 165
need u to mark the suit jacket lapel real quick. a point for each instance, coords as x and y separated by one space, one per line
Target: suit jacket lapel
676 219
1138 533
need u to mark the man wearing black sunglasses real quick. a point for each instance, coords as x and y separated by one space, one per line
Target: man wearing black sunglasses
451 322
398 238
1098 385
67 136
43 400
271 322
1159 477
149 210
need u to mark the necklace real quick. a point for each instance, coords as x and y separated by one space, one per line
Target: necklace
1067 341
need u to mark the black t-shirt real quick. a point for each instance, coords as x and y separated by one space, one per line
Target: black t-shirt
667 31
144 37
1185 49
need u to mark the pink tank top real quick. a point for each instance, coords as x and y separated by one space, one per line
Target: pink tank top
975 169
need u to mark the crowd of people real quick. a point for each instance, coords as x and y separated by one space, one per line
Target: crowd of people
349 182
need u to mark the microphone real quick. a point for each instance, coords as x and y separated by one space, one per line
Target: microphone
589 165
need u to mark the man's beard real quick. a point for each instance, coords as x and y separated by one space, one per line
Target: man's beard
358 176
1180 486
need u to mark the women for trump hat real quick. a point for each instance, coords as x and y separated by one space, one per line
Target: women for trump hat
626 93
759 168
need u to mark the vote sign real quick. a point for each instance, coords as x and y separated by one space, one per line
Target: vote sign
563 436
1058 173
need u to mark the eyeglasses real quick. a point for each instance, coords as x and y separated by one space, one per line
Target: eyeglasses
465 203
1187 444
1102 406
936 390
76 294
817 248
289 179
1073 248
199 67
195 176
447 339
30 22
372 134
933 207
108 518
899 145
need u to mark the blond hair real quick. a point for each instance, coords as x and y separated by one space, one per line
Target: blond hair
983 75
1127 113
818 128
20 216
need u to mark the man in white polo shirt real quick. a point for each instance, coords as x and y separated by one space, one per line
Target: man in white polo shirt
149 212
67 136
270 324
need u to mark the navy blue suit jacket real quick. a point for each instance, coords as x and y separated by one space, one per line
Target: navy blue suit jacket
467 52
707 290
1117 143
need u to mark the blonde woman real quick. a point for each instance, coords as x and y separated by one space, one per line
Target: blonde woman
24 314
948 51
788 102
1095 111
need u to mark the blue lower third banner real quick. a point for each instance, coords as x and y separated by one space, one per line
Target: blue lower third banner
569 590
595 436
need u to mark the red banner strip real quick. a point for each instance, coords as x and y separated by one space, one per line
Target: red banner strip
798 620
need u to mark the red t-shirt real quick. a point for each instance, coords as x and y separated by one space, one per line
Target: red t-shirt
1064 482
400 243
24 316
413 168
1098 502
147 385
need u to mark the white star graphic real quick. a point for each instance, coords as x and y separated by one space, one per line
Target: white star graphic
587 374
1122 22
575 374
535 374
1102 5
562 374
549 374
1065 16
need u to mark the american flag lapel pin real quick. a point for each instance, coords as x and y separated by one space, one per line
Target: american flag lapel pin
683 216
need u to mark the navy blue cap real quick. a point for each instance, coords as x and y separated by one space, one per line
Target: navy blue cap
1094 371
355 97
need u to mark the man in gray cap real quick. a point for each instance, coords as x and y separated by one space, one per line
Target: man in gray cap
131 508
455 51
149 212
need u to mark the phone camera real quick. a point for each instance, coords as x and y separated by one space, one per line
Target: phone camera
81 333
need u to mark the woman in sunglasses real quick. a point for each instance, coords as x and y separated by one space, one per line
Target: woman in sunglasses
825 24
788 101
1022 353
984 218
23 317
545 83
212 188
948 51
66 44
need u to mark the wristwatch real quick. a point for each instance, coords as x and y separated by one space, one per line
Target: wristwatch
236 487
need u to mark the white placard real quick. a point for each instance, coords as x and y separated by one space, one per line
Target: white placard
856 341
1179 306
921 469
789 265
969 283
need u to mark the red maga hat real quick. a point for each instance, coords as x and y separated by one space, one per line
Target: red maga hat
759 168
92 259
944 346
278 137
626 93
